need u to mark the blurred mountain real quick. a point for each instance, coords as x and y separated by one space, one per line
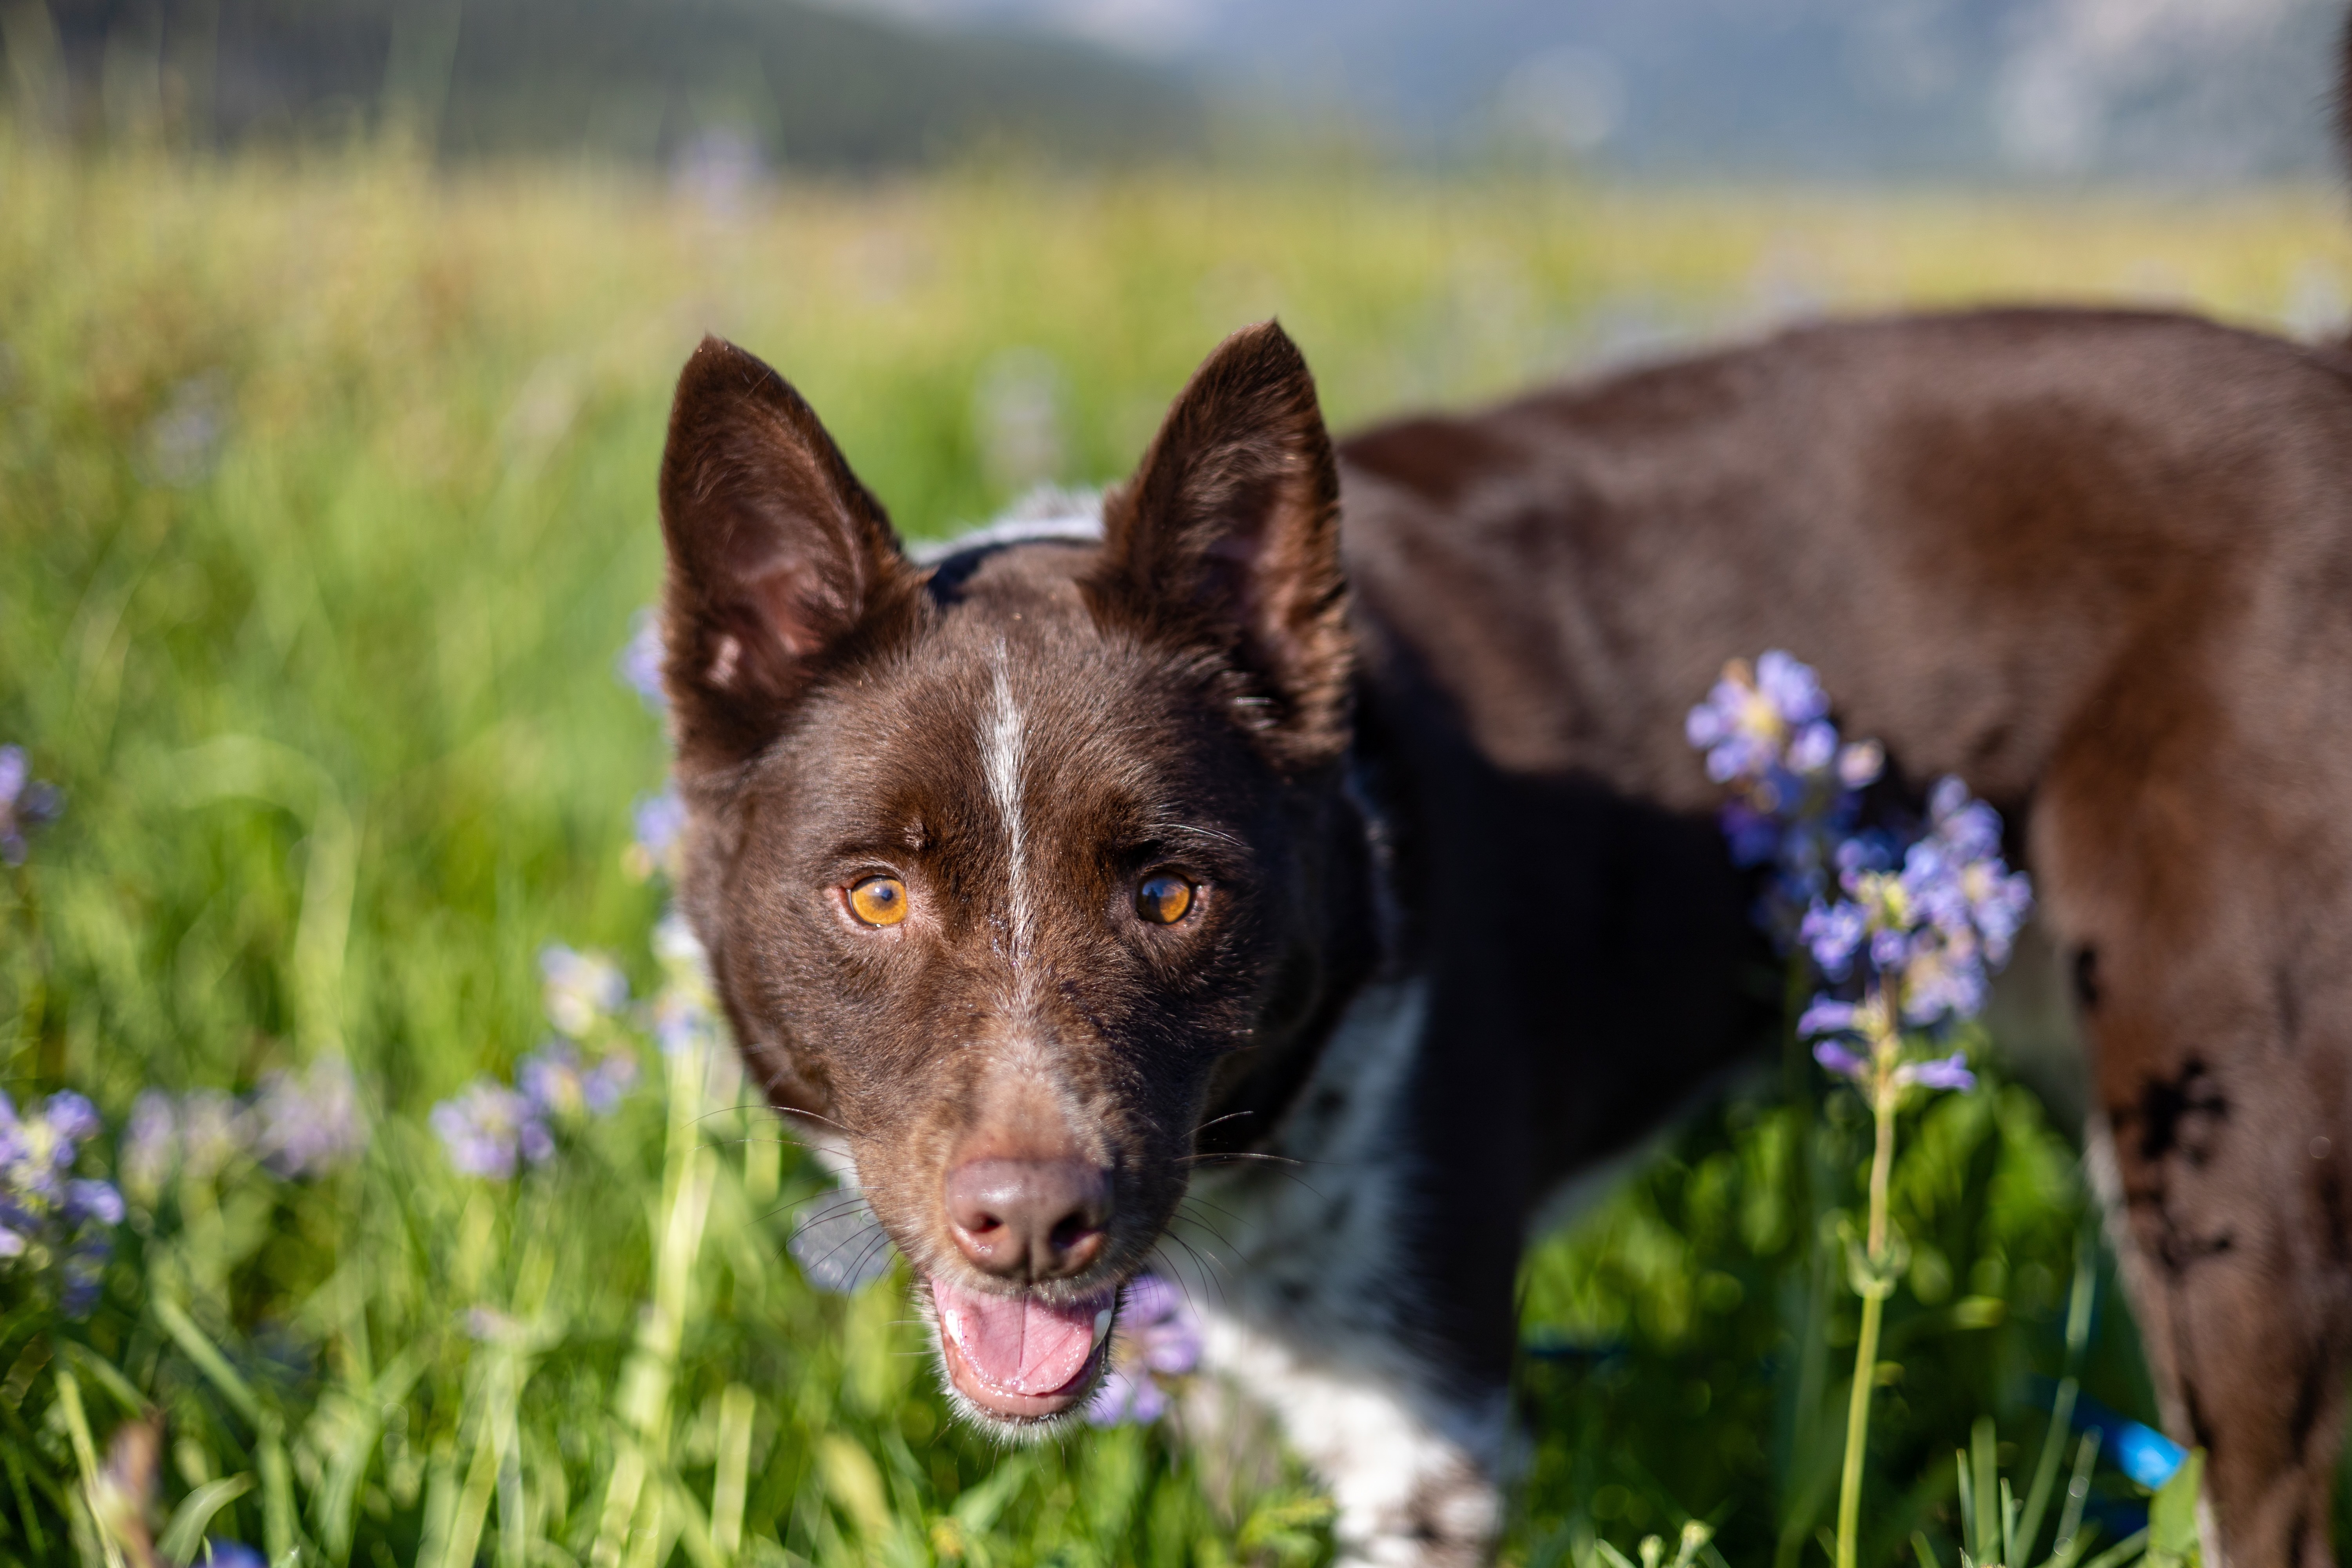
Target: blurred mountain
697 82
2191 90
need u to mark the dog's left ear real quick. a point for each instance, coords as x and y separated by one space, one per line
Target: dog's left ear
781 563
1228 535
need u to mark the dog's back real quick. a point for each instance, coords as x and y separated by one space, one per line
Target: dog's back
2095 564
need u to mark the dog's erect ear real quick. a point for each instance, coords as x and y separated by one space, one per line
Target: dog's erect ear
779 561
1229 533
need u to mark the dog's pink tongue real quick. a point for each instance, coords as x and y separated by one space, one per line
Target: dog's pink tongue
1019 1344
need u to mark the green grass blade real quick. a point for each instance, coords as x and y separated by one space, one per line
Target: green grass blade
2121 1553
2067 1545
1970 1542
1985 1490
728 1485
185 1534
208 1358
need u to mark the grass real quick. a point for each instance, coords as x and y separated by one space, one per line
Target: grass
325 502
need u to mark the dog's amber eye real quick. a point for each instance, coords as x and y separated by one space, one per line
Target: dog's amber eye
879 901
1163 897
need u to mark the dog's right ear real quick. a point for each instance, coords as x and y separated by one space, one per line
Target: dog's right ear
779 561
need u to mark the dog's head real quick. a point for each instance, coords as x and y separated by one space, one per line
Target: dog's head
1005 865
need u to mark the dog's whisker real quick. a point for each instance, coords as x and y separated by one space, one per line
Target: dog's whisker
1214 1121
830 1209
1195 1198
1211 1273
1241 1154
1215 1234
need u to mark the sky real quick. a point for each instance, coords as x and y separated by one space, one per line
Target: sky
2189 90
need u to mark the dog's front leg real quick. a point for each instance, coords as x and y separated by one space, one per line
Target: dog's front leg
1301 1263
1412 1474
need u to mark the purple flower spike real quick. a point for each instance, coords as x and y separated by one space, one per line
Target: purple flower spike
1859 764
483 1128
71 1117
1949 1072
151 1147
309 1125
582 988
640 663
1828 1015
1157 1338
1792 688
660 834
1831 933
24 804
1840 1060
557 1084
1813 748
93 1200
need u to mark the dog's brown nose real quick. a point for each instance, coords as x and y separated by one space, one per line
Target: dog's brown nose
1029 1220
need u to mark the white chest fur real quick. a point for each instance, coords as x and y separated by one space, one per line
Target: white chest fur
1308 1307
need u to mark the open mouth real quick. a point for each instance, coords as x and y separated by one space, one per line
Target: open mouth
1021 1358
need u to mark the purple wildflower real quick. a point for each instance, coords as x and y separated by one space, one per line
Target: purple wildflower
92 1200
1792 687
1828 1015
1767 734
640 662
151 1146
1158 1338
1831 933
558 1085
213 1131
1947 1072
49 1219
308 1126
582 988
1840 1060
1860 763
1813 748
683 1015
486 1127
24 804
1755 836
71 1117
660 836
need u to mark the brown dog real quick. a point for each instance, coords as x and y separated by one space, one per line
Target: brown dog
1047 881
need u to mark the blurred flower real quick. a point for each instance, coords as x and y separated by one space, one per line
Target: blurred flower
557 1085
24 804
150 1145
1156 1339
1766 732
212 1132
582 989
184 441
1947 1072
487 1127
685 1013
490 1129
488 1324
1915 925
308 1126
51 1221
661 834
640 662
297 1125
232 1554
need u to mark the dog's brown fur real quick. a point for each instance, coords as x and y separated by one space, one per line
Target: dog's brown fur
2098 564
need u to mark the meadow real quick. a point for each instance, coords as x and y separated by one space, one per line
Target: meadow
326 507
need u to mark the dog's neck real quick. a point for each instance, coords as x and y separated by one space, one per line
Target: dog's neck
1352 930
